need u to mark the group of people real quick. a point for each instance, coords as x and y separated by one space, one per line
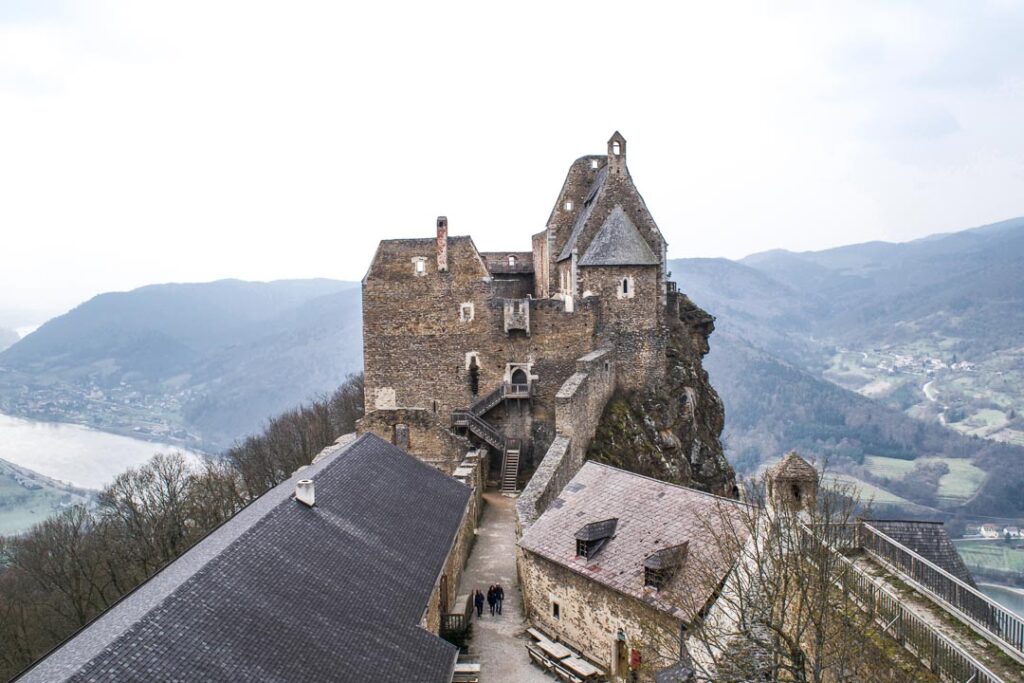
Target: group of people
495 596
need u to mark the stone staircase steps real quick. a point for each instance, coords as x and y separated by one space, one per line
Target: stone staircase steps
510 471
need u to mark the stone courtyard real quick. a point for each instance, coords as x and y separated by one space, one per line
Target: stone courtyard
498 643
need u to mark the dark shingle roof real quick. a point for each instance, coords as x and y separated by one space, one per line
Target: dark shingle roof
618 243
595 531
285 592
929 540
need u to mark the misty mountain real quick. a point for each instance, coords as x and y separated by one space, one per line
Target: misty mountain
783 318
7 338
204 364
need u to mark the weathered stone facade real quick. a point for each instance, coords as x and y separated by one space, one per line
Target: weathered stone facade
446 326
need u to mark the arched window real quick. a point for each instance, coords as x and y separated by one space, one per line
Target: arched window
519 377
625 285
616 149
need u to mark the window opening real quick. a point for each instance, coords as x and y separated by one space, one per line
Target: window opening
474 376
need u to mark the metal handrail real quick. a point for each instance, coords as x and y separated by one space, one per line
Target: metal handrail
968 602
944 656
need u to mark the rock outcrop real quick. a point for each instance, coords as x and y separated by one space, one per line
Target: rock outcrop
672 431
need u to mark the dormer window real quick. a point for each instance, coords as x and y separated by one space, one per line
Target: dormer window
659 567
591 538
568 205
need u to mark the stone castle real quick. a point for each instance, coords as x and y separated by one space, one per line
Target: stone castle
467 346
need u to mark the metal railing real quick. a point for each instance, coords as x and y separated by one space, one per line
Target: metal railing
940 654
485 403
968 603
479 427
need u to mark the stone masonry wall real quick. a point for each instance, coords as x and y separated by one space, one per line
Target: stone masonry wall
423 436
590 615
579 405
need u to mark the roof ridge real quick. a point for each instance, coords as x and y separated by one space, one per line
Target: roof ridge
667 483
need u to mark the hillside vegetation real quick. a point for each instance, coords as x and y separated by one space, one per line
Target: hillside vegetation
876 353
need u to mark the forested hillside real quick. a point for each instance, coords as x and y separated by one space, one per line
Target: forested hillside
877 354
200 364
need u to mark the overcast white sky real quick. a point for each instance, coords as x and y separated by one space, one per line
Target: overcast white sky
145 142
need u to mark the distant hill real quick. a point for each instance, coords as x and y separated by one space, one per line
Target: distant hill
27 497
203 364
829 352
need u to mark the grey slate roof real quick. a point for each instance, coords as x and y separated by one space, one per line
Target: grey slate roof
285 592
929 540
618 243
652 515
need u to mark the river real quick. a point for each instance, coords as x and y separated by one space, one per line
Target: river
72 453
1010 598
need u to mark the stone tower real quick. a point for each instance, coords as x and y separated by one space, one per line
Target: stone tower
792 484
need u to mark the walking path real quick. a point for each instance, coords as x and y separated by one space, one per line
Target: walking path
498 642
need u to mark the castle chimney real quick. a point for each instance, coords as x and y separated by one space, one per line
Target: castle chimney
304 492
442 244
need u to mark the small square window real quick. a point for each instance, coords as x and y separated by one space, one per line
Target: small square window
593 163
420 265
466 312
568 205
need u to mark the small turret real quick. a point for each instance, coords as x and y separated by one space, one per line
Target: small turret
616 153
792 484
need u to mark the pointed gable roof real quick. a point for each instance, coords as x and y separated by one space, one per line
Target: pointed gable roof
618 243
793 467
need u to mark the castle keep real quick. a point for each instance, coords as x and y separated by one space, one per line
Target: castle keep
467 346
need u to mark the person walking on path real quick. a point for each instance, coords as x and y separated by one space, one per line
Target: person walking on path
478 600
492 599
499 595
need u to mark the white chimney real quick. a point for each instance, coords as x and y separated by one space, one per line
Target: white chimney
304 492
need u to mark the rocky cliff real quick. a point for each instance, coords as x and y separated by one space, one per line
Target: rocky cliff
671 432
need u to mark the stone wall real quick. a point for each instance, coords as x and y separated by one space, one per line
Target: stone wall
591 614
418 433
579 405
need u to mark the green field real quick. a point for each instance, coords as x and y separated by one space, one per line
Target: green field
994 555
27 498
870 493
962 482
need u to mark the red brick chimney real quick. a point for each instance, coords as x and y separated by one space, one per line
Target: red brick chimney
442 244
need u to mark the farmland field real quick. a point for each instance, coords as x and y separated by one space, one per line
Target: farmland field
994 555
961 483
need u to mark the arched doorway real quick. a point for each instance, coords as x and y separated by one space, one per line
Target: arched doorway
519 378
